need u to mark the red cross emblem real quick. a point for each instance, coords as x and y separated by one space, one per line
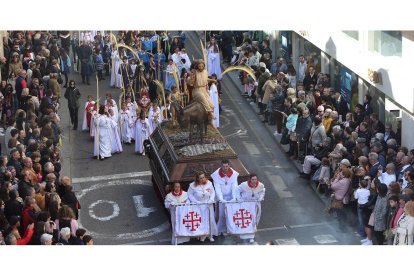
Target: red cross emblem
192 220
242 218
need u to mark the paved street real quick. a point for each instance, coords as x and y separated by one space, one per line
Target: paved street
119 205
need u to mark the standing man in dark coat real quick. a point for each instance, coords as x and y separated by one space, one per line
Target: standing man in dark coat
85 53
340 105
310 78
72 94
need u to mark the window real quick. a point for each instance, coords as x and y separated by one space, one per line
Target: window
353 34
387 43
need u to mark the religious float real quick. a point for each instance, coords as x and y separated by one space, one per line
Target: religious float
175 156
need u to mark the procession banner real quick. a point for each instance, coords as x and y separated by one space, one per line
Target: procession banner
192 220
241 217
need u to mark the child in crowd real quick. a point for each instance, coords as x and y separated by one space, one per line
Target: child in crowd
361 194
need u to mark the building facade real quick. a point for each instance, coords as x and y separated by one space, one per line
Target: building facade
377 63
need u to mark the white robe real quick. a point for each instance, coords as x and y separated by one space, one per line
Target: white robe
84 123
116 139
115 76
213 63
155 118
105 143
170 202
225 188
204 194
114 108
244 192
215 99
94 116
126 123
142 132
187 64
132 107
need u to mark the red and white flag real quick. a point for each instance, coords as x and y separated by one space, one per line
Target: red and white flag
241 217
192 220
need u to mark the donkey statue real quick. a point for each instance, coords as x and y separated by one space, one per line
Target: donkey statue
190 116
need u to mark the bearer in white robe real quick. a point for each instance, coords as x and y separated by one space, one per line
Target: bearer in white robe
185 56
103 143
132 107
213 59
115 76
94 117
202 191
116 139
215 99
251 190
111 104
176 197
126 124
142 132
225 186
155 116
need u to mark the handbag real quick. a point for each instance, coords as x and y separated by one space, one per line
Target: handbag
284 140
336 204
59 79
293 137
315 176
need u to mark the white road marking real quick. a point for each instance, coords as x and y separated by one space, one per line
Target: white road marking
251 148
287 242
239 132
295 226
142 211
114 183
149 242
110 177
324 239
115 210
279 185
123 236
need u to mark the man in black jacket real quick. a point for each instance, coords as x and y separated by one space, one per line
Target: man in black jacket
72 94
303 128
340 105
310 78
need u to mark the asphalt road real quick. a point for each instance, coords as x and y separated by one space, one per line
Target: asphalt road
119 205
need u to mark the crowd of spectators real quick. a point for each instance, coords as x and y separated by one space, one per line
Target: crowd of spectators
38 205
354 159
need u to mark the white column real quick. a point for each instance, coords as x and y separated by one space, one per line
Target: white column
325 62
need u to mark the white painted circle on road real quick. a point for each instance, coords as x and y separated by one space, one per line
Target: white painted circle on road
115 210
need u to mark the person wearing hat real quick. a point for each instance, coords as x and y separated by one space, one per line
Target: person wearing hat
362 146
15 64
377 148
